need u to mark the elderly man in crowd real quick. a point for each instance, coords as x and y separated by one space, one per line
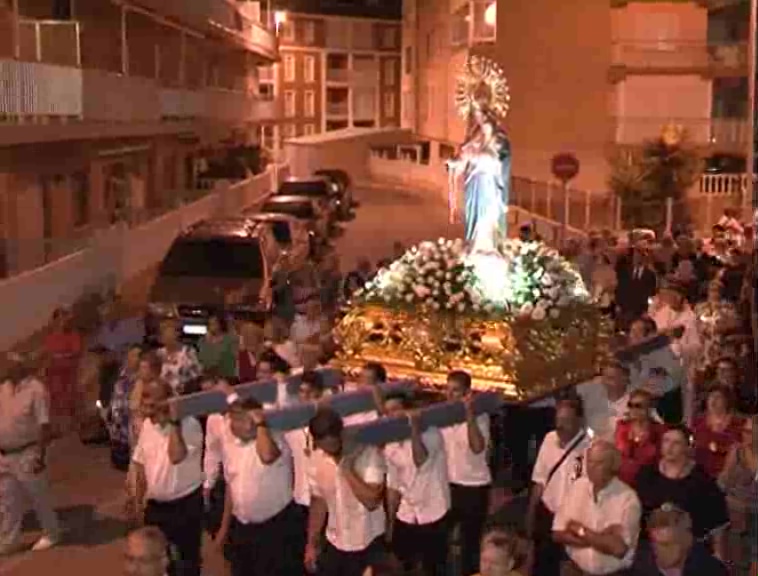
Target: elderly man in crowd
169 478
146 553
24 439
674 549
599 519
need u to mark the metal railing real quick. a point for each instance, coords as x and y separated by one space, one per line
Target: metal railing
668 54
50 41
720 132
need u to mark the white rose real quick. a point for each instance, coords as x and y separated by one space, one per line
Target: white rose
436 305
554 313
461 307
526 309
409 298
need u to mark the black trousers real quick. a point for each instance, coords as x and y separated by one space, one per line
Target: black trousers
269 548
424 544
548 555
469 511
334 562
181 521
523 423
670 406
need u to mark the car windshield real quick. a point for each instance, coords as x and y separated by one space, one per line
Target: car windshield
303 189
214 258
296 209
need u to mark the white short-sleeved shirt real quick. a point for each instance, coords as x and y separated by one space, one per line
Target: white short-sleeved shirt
301 446
570 470
351 526
258 491
601 413
24 407
216 427
424 491
464 467
616 504
167 481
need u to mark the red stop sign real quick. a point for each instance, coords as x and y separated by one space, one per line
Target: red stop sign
565 166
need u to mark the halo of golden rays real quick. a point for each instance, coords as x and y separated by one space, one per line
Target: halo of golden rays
482 85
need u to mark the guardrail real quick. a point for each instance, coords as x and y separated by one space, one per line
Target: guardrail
110 256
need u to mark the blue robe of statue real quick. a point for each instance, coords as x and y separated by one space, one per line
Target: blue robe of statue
487 187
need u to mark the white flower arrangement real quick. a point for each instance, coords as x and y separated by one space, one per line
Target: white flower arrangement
526 279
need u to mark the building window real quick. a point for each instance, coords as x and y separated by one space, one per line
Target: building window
289 104
80 191
310 129
290 74
309 65
266 91
389 105
389 38
408 59
290 130
310 104
389 72
309 32
287 31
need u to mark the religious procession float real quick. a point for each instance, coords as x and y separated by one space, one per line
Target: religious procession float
515 315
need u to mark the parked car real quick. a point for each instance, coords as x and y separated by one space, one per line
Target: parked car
342 185
304 208
321 190
233 266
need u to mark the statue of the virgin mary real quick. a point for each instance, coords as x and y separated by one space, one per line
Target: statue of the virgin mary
483 163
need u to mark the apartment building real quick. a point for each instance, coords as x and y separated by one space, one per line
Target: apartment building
339 66
588 77
107 108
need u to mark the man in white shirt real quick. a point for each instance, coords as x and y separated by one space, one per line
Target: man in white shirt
169 478
301 446
599 519
373 377
470 478
347 496
24 439
560 462
605 399
260 519
673 311
418 493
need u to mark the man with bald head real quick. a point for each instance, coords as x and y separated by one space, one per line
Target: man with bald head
598 521
146 553
169 478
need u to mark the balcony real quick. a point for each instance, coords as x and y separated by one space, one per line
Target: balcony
680 56
339 109
220 17
337 75
719 133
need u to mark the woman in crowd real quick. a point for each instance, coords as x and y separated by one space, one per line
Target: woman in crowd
118 415
179 363
217 350
638 436
604 283
716 430
739 480
679 480
63 347
250 348
715 318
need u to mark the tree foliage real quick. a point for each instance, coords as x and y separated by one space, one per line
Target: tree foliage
643 178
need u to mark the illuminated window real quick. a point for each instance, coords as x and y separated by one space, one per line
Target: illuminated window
290 74
289 103
309 68
389 104
310 104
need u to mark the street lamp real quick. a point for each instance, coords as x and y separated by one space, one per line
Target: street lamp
490 14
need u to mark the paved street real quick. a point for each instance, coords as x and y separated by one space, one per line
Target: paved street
90 494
